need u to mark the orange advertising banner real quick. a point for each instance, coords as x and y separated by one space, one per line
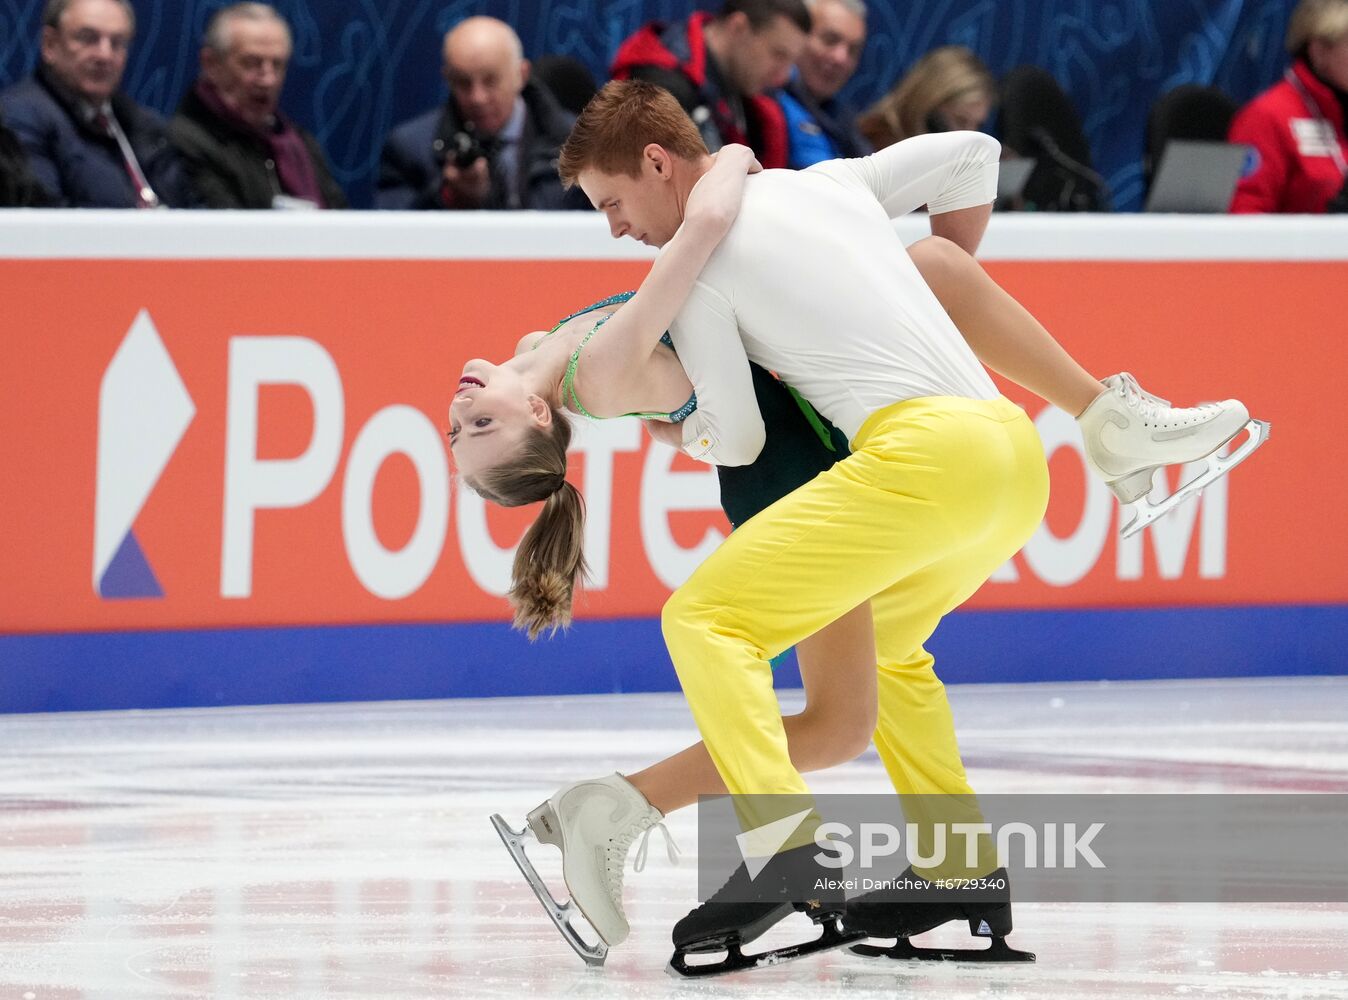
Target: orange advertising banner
200 443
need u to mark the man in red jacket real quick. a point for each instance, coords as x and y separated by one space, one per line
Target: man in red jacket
1296 127
721 67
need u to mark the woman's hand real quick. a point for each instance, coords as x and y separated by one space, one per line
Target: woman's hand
739 154
714 202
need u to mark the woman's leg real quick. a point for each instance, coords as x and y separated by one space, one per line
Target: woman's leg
1001 332
837 666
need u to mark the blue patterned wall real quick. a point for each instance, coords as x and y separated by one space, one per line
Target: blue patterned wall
360 66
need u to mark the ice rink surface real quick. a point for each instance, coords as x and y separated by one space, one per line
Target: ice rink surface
344 850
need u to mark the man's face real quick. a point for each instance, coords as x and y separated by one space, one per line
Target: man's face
87 50
761 60
832 50
485 76
645 208
250 75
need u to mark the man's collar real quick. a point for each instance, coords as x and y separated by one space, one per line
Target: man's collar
90 111
513 129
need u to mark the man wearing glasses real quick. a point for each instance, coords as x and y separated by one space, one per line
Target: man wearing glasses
88 144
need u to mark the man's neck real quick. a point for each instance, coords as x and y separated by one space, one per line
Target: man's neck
686 174
717 43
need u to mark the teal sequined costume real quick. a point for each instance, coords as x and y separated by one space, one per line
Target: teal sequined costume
800 443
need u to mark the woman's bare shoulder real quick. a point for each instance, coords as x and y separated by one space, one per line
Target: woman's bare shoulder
529 341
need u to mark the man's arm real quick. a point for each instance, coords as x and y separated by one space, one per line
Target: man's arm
964 226
953 173
726 428
403 183
211 178
26 123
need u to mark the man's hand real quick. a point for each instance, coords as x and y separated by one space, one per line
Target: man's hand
665 433
469 187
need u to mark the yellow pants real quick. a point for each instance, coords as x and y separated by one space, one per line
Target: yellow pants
937 493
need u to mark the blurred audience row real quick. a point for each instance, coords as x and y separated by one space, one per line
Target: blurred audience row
763 72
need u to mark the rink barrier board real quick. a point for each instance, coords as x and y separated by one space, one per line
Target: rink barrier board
146 537
172 669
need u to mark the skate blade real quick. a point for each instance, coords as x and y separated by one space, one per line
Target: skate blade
1145 512
560 913
736 961
997 951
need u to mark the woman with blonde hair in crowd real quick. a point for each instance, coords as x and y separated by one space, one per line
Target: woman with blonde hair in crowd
946 90
1296 127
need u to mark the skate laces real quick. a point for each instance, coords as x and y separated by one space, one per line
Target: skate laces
671 849
615 854
1152 409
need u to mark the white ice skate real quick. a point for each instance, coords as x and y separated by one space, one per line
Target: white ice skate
1129 434
593 823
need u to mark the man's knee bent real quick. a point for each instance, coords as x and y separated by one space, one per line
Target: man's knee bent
676 615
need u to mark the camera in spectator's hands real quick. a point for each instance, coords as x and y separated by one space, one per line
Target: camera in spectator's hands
467 149
463 148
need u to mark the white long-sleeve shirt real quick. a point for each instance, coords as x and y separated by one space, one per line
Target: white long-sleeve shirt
813 283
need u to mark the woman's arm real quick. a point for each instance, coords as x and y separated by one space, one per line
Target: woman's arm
635 329
953 173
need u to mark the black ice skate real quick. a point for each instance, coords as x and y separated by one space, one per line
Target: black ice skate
744 909
914 906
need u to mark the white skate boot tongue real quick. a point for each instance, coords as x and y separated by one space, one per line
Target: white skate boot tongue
1127 385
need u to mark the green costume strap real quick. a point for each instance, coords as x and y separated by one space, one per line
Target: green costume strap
569 380
813 418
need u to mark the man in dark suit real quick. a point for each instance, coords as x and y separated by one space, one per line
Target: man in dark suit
88 144
493 145
17 187
242 151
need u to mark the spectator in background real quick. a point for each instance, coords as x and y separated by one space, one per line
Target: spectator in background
567 78
721 68
493 145
241 151
88 144
1296 127
948 89
820 126
17 187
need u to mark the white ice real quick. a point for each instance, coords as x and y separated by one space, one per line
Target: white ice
344 850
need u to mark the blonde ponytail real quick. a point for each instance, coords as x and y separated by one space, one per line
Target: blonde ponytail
551 557
548 563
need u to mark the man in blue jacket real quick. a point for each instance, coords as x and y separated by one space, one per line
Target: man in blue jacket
88 144
820 125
